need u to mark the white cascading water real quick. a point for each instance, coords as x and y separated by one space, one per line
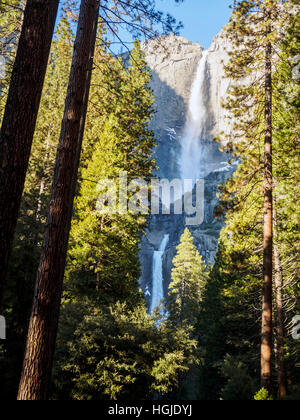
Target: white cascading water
191 148
157 273
190 162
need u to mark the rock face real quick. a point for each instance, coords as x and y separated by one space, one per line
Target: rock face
174 62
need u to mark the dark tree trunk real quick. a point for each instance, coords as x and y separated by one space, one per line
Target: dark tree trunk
266 332
20 116
42 332
281 377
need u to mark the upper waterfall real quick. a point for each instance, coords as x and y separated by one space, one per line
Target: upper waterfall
197 111
191 152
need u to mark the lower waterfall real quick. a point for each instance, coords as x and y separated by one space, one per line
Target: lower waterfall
157 274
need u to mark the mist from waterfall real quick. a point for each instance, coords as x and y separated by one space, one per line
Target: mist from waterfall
191 147
157 273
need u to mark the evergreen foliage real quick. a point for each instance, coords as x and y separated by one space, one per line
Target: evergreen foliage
188 282
235 284
109 347
28 237
114 348
116 352
11 14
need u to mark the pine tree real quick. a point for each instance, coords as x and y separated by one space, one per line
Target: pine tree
43 323
11 17
286 192
254 36
20 116
104 247
33 211
118 351
65 178
240 258
104 316
188 282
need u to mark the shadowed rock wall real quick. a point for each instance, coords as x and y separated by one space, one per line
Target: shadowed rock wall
174 62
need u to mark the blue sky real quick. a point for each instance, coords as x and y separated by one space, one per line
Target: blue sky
202 19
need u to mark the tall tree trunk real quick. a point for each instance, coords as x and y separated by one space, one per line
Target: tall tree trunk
281 378
42 331
266 332
20 118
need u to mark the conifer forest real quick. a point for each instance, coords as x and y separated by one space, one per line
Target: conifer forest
149 201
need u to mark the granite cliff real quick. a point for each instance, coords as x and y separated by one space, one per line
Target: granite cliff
185 77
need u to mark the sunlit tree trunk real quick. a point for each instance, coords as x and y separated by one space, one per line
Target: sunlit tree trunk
266 332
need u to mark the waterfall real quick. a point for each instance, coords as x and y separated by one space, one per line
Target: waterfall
157 273
192 162
191 147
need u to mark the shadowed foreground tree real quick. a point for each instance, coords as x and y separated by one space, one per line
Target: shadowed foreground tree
20 117
33 211
262 101
44 318
254 36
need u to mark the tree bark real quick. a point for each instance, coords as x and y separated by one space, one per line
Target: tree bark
266 331
281 377
20 116
42 331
